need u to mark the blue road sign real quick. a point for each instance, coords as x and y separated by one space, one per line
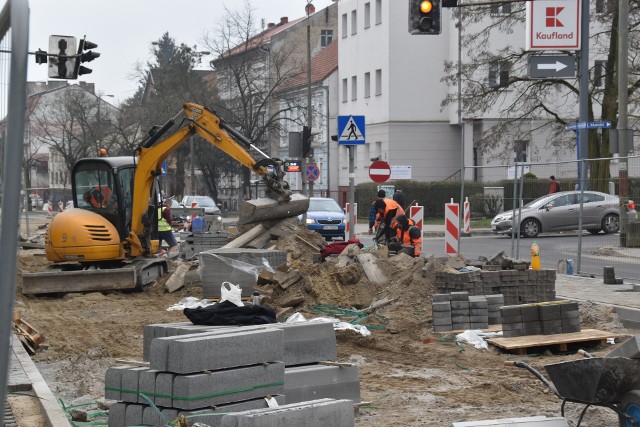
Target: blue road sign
312 172
350 130
588 125
164 168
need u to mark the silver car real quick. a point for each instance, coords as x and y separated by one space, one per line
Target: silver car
560 212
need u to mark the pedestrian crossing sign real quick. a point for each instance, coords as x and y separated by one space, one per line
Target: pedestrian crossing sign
350 130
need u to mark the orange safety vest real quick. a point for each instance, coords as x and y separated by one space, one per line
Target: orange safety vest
391 205
405 238
100 196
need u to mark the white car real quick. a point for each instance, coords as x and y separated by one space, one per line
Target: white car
212 213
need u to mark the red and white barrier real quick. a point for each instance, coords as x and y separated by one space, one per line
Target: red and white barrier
416 213
466 225
451 228
60 206
355 218
49 210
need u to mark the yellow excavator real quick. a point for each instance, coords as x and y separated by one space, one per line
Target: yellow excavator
109 237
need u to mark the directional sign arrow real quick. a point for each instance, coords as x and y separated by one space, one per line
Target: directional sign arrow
557 66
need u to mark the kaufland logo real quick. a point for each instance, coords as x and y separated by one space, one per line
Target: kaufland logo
552 20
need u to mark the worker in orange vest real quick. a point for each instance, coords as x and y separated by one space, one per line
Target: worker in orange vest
408 237
388 209
98 197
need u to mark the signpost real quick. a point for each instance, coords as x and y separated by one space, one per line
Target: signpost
380 171
553 25
351 133
552 66
588 125
312 172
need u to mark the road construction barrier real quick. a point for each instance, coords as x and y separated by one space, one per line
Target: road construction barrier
49 209
451 228
355 218
416 213
466 225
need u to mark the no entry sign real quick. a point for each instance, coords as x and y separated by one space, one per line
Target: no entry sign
379 171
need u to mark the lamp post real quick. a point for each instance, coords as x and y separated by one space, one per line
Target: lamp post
99 118
309 10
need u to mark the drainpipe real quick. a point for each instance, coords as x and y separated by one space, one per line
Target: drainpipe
326 89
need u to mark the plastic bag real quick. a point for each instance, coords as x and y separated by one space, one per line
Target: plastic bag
190 302
338 325
472 338
233 294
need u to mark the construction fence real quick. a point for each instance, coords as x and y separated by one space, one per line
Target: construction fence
578 231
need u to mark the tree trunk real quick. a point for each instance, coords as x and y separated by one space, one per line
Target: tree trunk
179 180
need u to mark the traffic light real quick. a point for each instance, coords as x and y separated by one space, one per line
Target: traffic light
61 64
83 56
424 17
306 141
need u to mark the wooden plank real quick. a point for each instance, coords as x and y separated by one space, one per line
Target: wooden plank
491 328
548 340
78 281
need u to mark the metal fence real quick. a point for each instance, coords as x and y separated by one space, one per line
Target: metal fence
578 227
14 31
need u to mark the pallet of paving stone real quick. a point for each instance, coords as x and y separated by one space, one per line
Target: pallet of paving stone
557 343
490 329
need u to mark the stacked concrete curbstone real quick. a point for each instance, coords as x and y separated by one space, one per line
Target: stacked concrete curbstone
478 312
441 309
494 303
218 266
460 311
558 317
191 244
517 286
204 371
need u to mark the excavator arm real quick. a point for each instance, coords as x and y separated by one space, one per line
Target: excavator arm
204 122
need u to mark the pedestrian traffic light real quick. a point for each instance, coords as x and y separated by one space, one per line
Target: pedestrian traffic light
424 17
61 64
84 57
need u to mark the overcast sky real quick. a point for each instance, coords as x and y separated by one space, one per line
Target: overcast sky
124 30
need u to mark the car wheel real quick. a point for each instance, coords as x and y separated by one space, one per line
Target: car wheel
630 404
593 230
530 228
610 224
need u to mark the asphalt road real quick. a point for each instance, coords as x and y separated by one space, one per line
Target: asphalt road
597 251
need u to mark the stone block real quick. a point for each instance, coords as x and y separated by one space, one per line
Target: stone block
304 383
441 298
442 321
130 380
151 417
630 349
441 307
117 414
164 389
308 342
510 310
133 415
459 296
479 319
213 416
459 305
443 328
460 319
113 382
147 385
460 326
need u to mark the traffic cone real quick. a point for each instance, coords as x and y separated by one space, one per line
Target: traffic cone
535 256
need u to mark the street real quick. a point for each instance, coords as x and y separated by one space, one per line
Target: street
598 251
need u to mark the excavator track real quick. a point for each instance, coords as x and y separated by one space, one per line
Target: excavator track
73 277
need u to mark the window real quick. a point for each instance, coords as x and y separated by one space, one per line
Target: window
499 74
378 12
354 88
367 85
520 151
344 90
344 25
367 15
378 82
326 37
603 6
500 9
354 22
599 73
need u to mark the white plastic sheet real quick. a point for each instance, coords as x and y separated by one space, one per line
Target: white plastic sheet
338 325
471 337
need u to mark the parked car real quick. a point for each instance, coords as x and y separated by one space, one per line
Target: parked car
326 217
213 214
560 212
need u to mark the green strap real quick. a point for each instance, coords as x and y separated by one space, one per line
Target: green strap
205 396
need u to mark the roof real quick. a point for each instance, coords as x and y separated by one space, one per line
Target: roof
322 65
263 37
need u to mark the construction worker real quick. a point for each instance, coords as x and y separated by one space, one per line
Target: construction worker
388 210
164 226
98 197
408 237
374 218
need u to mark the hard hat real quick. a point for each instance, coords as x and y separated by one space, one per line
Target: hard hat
102 152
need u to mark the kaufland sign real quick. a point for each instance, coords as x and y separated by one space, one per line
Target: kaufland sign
553 25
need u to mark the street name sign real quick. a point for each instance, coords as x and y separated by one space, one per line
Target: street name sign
379 171
552 66
553 25
351 130
588 125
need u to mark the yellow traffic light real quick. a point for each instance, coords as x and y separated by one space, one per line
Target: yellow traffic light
426 6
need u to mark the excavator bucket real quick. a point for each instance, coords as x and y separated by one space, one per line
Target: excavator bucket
265 210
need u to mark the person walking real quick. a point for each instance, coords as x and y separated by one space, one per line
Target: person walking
398 196
554 187
164 226
374 219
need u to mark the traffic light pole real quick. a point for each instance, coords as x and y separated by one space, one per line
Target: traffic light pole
352 192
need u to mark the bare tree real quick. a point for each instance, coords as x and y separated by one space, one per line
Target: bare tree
249 73
526 105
